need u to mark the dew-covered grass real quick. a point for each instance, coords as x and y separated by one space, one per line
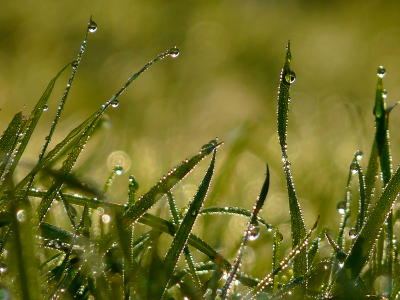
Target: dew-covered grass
63 236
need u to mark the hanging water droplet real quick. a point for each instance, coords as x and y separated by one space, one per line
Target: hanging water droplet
174 52
57 243
254 232
92 26
21 215
45 107
384 94
290 77
359 155
75 64
381 72
115 103
341 207
353 233
354 167
119 170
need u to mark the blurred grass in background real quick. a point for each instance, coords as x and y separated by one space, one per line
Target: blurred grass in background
223 84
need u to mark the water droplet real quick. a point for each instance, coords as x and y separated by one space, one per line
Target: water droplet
174 52
115 103
106 218
92 26
207 148
75 64
359 155
354 167
21 215
45 107
341 207
119 170
254 232
381 72
352 233
384 94
280 237
290 77
57 243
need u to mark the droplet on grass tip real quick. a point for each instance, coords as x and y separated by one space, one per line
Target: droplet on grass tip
341 207
92 26
119 170
353 233
290 77
174 52
45 107
381 72
354 167
359 155
115 103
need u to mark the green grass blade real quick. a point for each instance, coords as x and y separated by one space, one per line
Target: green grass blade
7 141
165 184
238 211
185 228
298 228
133 187
251 233
360 252
275 257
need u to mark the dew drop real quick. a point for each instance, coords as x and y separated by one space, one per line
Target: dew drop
341 207
92 26
115 103
45 107
354 167
381 72
359 155
106 218
384 94
57 243
254 232
352 233
290 77
119 170
75 64
174 52
21 215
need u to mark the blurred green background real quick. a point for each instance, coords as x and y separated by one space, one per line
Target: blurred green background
224 83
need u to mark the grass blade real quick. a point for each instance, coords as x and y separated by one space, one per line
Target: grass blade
298 227
182 235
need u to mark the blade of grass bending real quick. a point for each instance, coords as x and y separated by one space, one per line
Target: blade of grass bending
165 184
266 281
360 252
28 128
252 228
297 225
186 226
238 211
8 139
75 65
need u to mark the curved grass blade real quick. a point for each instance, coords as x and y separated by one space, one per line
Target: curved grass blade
165 184
250 233
339 254
297 225
8 139
266 281
28 128
238 211
360 252
182 234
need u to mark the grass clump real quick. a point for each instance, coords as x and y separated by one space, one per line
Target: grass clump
81 260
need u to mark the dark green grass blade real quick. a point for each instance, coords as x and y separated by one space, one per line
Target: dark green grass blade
28 128
251 232
133 187
298 228
182 235
360 252
238 211
165 184
7 141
